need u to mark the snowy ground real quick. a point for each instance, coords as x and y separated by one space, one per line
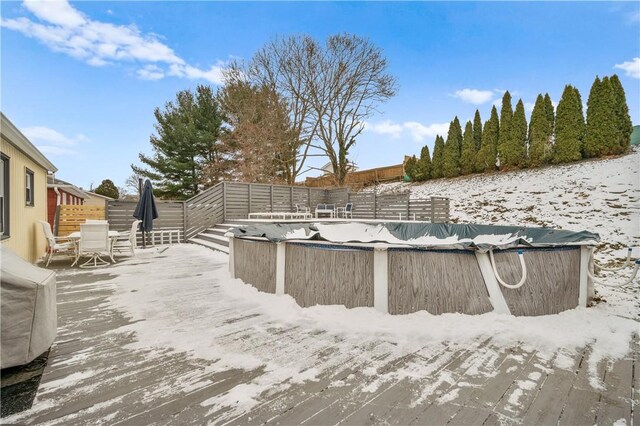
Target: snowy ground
169 337
600 196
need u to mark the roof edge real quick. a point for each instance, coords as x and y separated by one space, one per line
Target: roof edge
20 141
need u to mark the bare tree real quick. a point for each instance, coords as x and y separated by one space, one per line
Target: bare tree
282 65
348 79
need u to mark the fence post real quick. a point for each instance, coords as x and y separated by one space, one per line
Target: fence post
309 198
408 209
291 198
232 265
249 198
375 204
433 213
224 201
271 197
184 222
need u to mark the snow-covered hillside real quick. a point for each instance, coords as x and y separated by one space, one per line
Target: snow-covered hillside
600 196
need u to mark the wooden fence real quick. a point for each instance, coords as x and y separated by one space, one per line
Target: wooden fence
235 200
361 178
171 216
69 217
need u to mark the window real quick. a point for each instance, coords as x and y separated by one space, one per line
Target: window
4 196
29 188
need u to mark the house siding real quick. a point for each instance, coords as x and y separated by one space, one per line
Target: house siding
26 237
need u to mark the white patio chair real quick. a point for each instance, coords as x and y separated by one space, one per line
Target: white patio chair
347 211
94 243
126 241
56 245
96 221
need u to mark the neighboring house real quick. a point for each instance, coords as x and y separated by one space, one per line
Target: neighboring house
93 199
327 169
23 192
59 193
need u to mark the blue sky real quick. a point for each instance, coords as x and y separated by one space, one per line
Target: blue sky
82 79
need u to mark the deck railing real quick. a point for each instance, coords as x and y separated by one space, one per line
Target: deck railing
235 200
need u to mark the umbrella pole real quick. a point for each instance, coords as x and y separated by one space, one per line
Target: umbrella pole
144 239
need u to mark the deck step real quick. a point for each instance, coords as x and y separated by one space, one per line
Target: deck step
209 244
214 238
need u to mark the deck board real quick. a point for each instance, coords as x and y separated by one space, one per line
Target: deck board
98 370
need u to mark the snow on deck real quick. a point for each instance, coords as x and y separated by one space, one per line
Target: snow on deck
168 337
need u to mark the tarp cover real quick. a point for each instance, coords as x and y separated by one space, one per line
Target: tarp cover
28 309
419 234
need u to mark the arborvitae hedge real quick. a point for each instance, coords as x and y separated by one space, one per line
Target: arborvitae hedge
436 162
452 148
540 132
486 157
515 147
424 164
468 155
506 115
625 126
569 127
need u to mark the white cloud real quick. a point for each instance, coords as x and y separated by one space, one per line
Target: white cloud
150 72
417 131
387 127
42 134
474 96
64 29
631 68
528 106
51 141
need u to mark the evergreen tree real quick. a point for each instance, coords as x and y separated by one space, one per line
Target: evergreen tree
187 142
424 164
410 168
486 157
540 131
569 127
625 127
515 147
108 189
468 156
452 148
602 133
551 117
438 154
506 115
477 130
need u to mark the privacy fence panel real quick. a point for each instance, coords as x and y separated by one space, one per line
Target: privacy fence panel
170 216
204 210
364 205
70 217
395 207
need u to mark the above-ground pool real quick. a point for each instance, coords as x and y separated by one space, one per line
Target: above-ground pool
404 267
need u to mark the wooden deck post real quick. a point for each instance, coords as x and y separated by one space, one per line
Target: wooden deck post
585 264
281 250
381 278
184 222
249 198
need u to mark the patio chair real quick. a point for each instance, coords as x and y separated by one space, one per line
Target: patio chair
347 211
94 243
302 209
56 245
127 241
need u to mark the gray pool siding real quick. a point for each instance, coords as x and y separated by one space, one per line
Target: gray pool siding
438 282
553 280
318 276
255 263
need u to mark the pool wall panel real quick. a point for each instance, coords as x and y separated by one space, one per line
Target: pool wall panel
437 282
255 263
322 276
553 280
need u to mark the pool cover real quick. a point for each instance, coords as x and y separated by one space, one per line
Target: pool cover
434 235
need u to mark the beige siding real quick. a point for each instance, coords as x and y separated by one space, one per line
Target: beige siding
26 236
92 200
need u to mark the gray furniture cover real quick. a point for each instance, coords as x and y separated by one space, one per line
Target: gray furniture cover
28 312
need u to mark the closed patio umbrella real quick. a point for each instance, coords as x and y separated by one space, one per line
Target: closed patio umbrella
146 210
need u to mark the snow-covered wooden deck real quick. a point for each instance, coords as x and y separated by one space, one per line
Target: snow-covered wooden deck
168 338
